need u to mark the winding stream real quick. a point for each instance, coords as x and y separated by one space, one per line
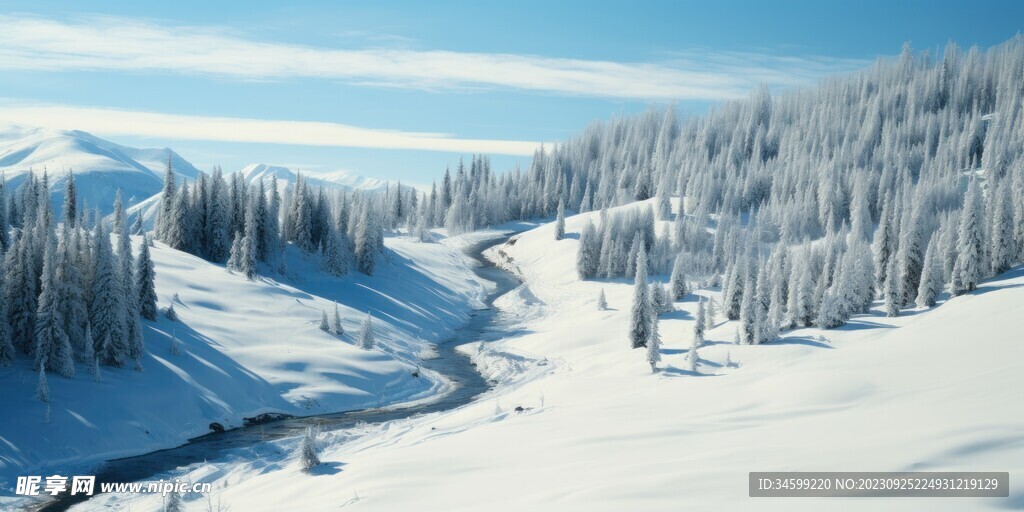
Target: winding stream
468 384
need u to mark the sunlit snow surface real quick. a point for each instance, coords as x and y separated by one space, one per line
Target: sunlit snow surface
247 347
929 390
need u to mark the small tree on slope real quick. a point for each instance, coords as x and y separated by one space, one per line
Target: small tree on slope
560 221
336 327
366 333
699 324
641 313
602 302
324 326
677 283
145 279
654 346
308 458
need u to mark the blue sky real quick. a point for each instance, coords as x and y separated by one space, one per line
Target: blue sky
398 90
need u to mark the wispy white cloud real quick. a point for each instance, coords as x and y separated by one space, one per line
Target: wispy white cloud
125 44
110 122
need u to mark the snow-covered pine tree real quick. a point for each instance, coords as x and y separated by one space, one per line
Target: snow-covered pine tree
970 244
107 310
175 345
602 302
336 327
890 291
53 348
560 221
748 315
677 283
7 351
20 291
324 325
693 359
42 388
70 200
366 338
365 243
931 276
308 456
174 502
658 298
830 313
333 259
654 346
642 311
588 254
145 281
170 314
247 248
167 202
1002 249
74 308
235 257
712 312
699 324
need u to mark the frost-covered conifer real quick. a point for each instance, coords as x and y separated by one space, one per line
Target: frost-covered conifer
107 309
588 254
145 281
642 311
1002 250
53 348
931 276
42 388
677 283
366 339
970 245
654 346
308 456
324 325
336 327
560 221
175 346
602 302
171 314
699 324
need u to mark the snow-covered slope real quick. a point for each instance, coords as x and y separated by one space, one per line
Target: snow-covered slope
100 167
930 390
248 347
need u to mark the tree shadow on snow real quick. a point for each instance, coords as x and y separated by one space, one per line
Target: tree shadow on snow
800 340
327 468
679 372
677 314
859 324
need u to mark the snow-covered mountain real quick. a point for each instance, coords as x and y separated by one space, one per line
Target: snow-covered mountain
337 179
100 167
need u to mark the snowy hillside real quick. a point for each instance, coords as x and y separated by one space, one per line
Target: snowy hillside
100 167
247 347
929 390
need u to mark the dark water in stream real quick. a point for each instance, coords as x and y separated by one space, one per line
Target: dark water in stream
483 325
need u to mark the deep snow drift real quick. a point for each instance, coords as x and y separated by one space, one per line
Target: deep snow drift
929 390
246 347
